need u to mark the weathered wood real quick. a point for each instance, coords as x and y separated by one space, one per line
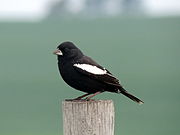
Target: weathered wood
88 117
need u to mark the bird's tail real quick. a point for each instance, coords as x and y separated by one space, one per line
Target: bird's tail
137 100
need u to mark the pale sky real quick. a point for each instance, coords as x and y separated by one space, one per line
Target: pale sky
23 9
163 7
37 9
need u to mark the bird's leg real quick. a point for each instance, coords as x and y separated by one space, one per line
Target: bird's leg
89 97
78 98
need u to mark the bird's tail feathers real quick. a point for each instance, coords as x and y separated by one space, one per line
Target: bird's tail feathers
137 100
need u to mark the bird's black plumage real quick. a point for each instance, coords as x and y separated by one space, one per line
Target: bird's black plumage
84 74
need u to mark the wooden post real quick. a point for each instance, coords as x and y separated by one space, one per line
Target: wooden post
95 117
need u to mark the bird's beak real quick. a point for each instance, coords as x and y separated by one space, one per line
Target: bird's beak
58 52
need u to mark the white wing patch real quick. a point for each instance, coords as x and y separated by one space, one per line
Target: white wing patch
91 69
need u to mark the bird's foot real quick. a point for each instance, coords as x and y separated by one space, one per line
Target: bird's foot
82 100
85 99
90 99
76 99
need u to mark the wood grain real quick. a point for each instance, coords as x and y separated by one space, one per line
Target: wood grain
88 117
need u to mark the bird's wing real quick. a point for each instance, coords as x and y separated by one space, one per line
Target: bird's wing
90 68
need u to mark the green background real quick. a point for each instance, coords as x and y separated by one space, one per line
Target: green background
143 53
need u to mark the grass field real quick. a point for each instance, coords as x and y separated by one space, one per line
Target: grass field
143 52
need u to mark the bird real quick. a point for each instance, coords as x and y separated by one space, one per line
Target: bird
82 73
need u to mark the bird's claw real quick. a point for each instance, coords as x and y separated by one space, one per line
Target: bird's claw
76 99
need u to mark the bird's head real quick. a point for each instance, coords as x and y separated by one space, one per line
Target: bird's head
67 50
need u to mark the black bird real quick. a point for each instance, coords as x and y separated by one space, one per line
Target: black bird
84 74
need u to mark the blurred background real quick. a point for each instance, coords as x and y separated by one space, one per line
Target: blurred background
137 40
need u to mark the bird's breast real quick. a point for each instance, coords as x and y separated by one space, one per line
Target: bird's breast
68 73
